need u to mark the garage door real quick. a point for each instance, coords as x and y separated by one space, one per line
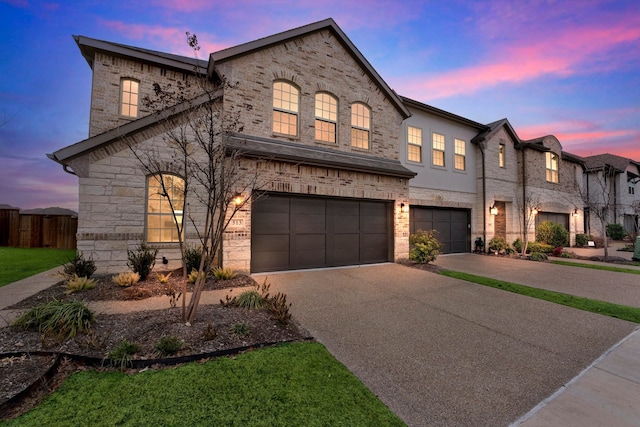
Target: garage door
452 225
298 232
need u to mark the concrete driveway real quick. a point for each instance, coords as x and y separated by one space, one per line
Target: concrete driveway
440 351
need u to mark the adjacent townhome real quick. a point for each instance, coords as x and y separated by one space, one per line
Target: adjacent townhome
611 193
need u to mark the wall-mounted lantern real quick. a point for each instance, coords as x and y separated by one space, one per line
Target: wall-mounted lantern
493 210
404 208
534 211
575 212
238 199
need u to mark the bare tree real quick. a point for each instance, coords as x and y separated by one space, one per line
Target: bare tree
527 206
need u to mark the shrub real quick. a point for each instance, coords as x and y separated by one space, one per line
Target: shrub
279 309
557 251
582 239
169 345
533 247
210 332
80 266
424 246
122 354
164 278
552 233
193 276
616 231
192 257
223 273
77 284
240 330
538 256
64 319
498 244
567 255
250 299
126 279
518 244
142 260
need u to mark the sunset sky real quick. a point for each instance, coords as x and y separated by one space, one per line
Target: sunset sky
570 68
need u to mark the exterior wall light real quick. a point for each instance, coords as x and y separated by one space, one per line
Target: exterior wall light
575 212
404 208
493 210
238 199
534 211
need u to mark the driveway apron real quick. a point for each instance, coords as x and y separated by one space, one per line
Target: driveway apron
439 351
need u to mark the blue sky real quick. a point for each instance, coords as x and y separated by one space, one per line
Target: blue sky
568 68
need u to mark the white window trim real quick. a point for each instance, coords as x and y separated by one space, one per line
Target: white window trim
443 151
409 143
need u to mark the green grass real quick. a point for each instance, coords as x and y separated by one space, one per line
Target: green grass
598 267
623 312
18 263
289 385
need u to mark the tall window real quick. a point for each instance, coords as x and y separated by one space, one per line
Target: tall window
285 108
360 125
438 149
129 98
501 155
326 117
161 226
414 144
552 167
460 151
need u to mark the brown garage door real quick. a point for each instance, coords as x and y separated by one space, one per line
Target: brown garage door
298 232
452 226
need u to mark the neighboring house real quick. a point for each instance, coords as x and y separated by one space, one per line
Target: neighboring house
325 119
612 187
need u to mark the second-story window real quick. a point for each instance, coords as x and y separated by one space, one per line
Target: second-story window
326 117
286 104
414 144
129 98
501 156
438 149
360 125
552 167
460 150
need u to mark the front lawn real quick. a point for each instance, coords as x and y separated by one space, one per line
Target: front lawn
292 384
598 267
18 263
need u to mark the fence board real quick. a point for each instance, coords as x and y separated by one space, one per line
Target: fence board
37 231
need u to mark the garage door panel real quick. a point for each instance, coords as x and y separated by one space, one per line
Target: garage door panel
345 249
270 250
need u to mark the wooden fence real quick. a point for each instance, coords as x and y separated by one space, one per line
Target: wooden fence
37 231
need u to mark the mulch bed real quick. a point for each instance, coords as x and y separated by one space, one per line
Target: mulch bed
25 355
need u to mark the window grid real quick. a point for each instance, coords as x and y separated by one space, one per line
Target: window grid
285 108
326 117
414 144
161 226
438 149
129 98
501 155
552 167
360 125
460 151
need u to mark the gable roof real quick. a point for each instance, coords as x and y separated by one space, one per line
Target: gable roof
88 48
442 113
599 161
327 24
492 128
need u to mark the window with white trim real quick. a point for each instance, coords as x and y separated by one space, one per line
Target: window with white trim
161 224
437 149
326 117
129 98
460 153
414 144
286 105
360 125
552 167
501 155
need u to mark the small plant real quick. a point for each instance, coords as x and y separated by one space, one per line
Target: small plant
424 246
193 276
567 255
122 354
552 233
557 251
538 256
616 231
126 279
250 299
498 245
210 332
223 273
77 284
163 278
64 319
240 330
517 245
582 239
279 309
169 345
539 247
192 257
80 266
142 260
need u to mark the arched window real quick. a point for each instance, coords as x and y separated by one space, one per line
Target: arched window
360 125
286 105
164 192
129 98
552 167
326 117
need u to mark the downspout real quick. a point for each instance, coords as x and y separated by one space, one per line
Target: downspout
484 197
615 198
525 218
